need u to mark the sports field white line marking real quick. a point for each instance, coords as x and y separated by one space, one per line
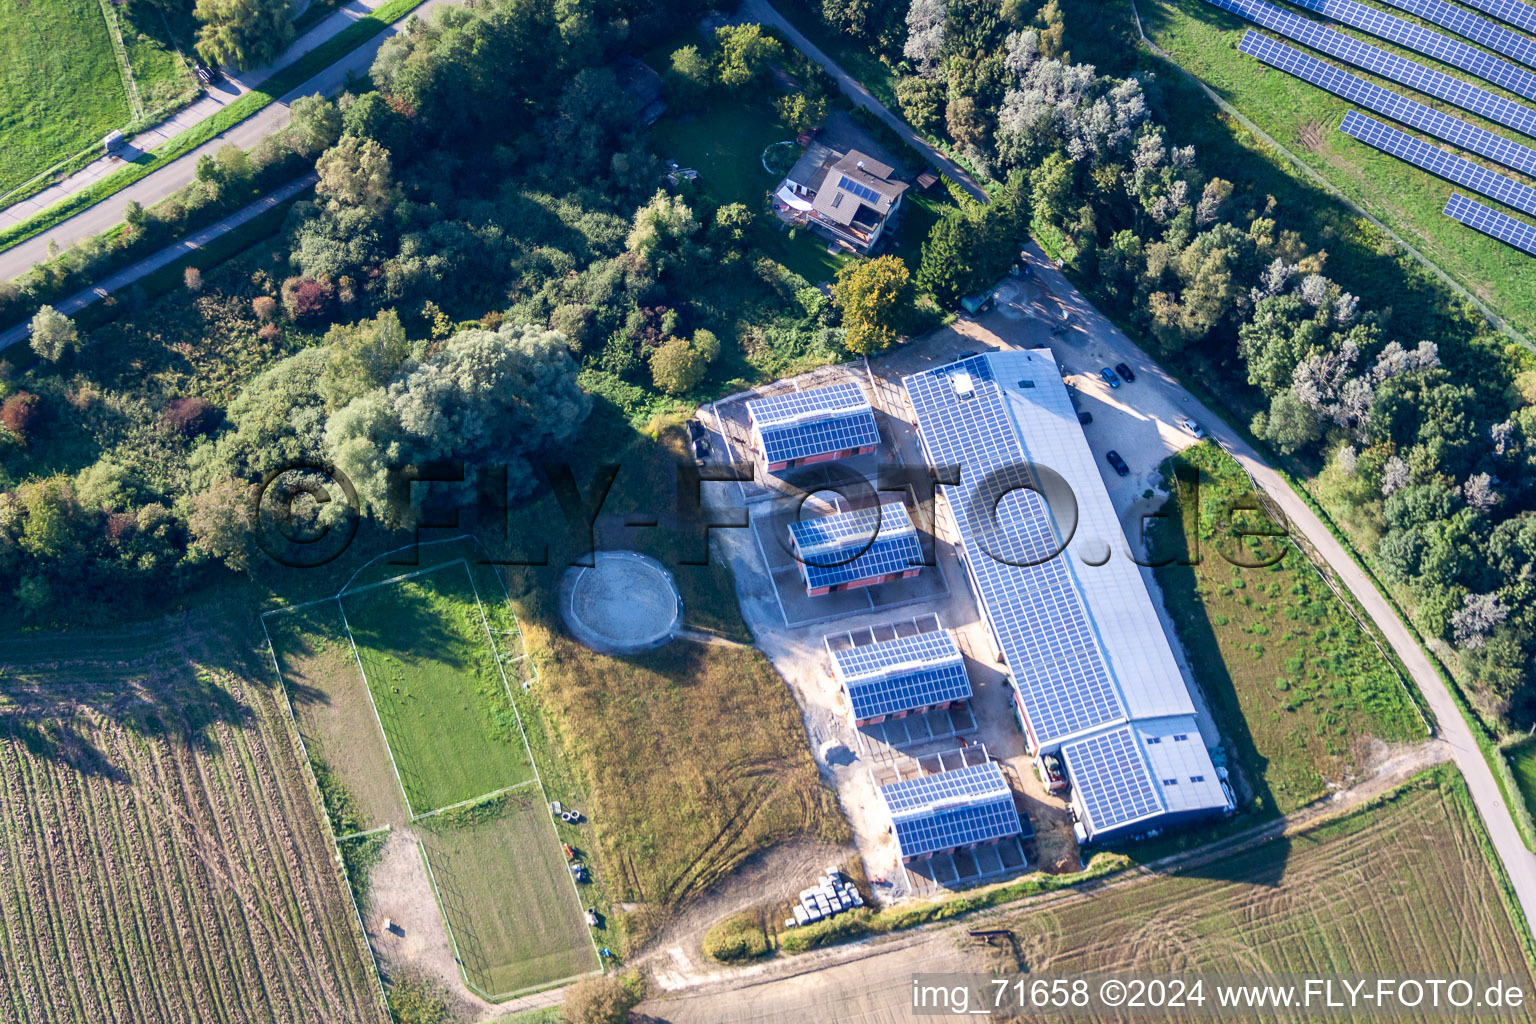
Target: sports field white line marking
365 833
371 703
474 799
325 818
575 890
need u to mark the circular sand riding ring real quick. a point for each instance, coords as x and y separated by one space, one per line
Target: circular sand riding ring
625 602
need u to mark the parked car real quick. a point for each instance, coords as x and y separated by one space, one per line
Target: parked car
1190 427
698 438
206 73
1114 459
1109 377
1085 418
1125 372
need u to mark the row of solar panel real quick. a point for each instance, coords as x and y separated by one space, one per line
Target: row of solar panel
1516 12
1491 222
1383 101
1430 43
1437 161
1472 26
1388 65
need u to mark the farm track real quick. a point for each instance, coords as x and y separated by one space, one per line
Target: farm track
160 856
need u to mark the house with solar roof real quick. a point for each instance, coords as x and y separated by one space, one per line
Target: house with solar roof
857 548
849 197
909 673
799 428
951 810
1093 674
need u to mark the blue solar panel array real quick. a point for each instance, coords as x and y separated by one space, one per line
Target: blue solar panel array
1430 43
1384 101
1388 65
801 424
1111 778
1516 12
1472 26
838 549
1437 161
864 192
1516 233
1035 609
908 672
934 813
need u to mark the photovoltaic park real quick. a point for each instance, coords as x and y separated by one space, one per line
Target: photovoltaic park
1469 60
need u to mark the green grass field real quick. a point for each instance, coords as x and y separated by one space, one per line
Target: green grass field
1295 684
1305 120
480 857
1522 761
60 88
1399 888
440 696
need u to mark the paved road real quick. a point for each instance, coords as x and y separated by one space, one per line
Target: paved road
215 99
151 189
762 12
170 254
1519 862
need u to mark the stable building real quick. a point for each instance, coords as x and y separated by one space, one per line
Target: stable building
853 549
1069 615
799 428
898 675
952 810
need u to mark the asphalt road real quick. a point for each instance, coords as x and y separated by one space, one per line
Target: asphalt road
154 187
215 98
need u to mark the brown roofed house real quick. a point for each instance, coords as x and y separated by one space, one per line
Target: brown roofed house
849 198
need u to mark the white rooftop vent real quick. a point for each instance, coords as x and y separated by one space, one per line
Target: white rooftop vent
963 385
861 165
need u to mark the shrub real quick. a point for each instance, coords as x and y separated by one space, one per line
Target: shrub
193 279
738 938
19 412
264 306
188 416
305 298
605 999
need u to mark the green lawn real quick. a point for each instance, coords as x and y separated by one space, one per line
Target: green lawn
60 89
1305 120
429 665
725 143
1295 684
164 78
505 890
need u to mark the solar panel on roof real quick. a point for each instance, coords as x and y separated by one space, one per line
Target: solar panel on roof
794 405
1516 233
1111 778
949 809
1383 101
1432 44
1035 609
891 676
1472 26
864 192
1388 65
1437 161
857 545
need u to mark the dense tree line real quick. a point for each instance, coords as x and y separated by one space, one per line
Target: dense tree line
489 247
1429 438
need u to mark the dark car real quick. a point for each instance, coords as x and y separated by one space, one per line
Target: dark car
206 73
1125 371
1109 377
1085 418
695 430
1114 459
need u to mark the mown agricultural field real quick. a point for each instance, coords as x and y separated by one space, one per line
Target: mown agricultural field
433 676
492 861
1203 40
163 857
480 855
60 88
1399 888
1294 681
